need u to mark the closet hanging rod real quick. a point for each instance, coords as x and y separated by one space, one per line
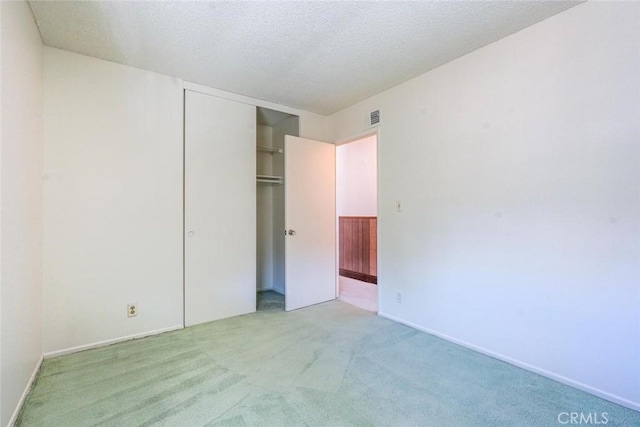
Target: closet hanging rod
269 179
270 150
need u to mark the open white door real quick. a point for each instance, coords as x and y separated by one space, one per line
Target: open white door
310 220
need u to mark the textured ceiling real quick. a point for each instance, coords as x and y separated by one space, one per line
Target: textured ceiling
316 56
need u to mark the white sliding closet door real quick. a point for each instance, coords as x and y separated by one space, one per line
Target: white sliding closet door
220 208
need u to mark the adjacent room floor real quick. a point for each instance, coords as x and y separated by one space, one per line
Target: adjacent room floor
330 364
361 294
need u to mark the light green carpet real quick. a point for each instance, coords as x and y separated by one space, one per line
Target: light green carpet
327 365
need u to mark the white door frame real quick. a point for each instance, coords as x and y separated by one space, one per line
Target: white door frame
362 135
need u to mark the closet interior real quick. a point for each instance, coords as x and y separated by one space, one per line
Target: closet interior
271 128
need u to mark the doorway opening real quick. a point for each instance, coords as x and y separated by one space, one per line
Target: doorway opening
357 215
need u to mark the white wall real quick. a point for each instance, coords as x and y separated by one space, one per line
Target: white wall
21 201
113 200
356 178
519 170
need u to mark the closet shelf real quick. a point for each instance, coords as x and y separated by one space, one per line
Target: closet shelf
270 150
269 179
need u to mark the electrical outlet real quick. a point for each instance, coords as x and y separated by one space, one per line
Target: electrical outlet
399 297
132 310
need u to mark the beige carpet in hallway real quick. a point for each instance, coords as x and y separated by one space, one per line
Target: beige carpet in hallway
360 294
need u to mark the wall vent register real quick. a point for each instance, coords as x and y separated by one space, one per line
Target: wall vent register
374 118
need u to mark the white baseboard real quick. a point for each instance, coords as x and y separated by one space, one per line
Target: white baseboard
551 375
76 349
14 416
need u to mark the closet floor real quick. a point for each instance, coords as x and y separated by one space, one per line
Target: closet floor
269 301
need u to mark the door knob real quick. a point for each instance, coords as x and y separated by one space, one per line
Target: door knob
291 232
191 234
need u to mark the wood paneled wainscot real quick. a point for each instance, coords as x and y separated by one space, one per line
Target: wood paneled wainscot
358 248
